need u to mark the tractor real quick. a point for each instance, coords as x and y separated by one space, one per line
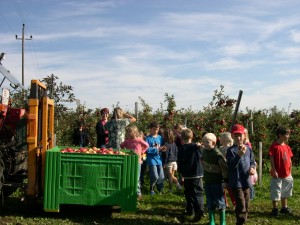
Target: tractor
25 135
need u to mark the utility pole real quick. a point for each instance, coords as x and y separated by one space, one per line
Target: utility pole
23 39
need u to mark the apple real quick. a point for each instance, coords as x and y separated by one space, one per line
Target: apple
83 149
70 150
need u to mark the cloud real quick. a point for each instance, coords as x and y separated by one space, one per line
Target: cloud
295 36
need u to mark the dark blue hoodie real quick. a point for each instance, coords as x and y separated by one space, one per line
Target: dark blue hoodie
238 167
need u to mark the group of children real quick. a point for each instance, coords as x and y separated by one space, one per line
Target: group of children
207 168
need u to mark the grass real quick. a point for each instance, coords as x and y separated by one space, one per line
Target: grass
158 209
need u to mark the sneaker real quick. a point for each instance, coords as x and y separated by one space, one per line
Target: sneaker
274 212
286 211
152 193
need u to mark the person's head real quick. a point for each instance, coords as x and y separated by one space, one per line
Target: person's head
187 135
177 128
238 134
141 134
246 136
168 136
132 132
104 113
154 128
283 133
226 139
209 140
117 113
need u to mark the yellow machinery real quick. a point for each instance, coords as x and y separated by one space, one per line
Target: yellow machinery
40 135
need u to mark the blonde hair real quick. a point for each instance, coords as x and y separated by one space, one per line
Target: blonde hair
210 137
246 140
117 113
186 134
131 132
226 136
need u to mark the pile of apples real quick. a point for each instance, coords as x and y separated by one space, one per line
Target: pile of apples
93 150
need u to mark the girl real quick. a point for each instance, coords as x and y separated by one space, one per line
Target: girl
139 146
226 141
171 158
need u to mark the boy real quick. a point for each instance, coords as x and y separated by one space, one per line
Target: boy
189 165
241 165
154 159
215 173
281 165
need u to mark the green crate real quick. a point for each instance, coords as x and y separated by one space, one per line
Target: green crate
90 179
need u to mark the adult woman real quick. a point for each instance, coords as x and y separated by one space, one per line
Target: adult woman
102 134
116 127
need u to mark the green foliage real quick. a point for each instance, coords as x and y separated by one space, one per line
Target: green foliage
216 117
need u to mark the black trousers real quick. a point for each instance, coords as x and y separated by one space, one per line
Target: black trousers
193 191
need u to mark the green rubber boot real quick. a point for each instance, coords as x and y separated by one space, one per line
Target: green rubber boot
211 217
222 217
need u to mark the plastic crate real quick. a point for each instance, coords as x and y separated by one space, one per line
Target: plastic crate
90 179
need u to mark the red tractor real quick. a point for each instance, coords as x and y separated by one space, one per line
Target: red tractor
25 135
13 145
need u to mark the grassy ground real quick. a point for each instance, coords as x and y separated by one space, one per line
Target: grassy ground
159 209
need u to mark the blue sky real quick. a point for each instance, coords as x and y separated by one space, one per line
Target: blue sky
117 51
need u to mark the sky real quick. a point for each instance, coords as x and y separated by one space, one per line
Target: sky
114 52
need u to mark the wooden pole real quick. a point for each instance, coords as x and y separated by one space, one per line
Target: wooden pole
236 108
136 111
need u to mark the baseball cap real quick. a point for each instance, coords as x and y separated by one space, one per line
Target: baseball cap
104 110
238 129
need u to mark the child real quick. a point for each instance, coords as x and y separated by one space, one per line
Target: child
144 164
134 142
154 159
215 172
253 178
226 141
189 165
281 166
241 165
171 159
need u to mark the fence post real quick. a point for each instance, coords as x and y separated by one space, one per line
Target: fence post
260 163
136 111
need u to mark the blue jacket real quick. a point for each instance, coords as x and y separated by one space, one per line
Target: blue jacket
238 167
153 154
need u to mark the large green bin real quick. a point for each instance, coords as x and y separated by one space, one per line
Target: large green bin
90 179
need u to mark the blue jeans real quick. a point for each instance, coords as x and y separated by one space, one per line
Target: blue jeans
214 197
156 177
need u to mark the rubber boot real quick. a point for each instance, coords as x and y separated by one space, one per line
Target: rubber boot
211 217
222 217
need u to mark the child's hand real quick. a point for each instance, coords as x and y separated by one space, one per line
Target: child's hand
162 148
274 173
252 171
242 150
